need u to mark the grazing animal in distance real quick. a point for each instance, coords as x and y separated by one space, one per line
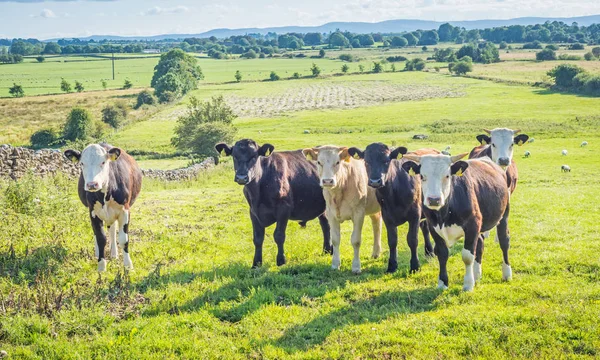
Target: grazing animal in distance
109 183
565 168
584 144
463 199
348 197
527 154
278 186
564 153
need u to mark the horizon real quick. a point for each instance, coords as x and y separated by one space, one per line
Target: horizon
43 19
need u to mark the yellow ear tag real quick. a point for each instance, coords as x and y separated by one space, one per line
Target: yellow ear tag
356 156
411 172
113 157
459 172
399 156
483 142
309 156
268 152
347 159
223 153
520 142
74 159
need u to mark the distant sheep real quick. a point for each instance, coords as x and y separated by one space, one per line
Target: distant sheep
531 140
564 152
584 144
527 154
565 168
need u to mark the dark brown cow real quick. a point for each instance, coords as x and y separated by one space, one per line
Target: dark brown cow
279 187
109 183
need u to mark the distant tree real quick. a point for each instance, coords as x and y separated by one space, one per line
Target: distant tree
545 55
273 76
114 115
429 38
411 39
399 41
355 43
337 39
321 53
315 70
104 84
444 55
184 73
532 45
78 86
79 126
462 67
361 68
503 45
552 47
145 97
250 54
424 48
127 84
296 75
563 74
40 59
313 38
416 64
65 86
589 56
16 91
52 48
445 32
596 51
377 67
238 76
345 68
366 40
577 46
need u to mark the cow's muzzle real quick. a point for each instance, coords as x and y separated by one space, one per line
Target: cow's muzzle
376 183
504 161
327 182
242 179
92 186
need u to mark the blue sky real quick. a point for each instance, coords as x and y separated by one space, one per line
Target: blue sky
66 18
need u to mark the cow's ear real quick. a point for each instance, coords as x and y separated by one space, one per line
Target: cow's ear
484 139
459 167
412 168
521 139
344 155
73 155
356 153
266 150
398 152
223 149
310 154
114 153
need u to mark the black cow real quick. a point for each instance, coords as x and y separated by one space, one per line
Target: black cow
463 199
109 184
279 187
399 196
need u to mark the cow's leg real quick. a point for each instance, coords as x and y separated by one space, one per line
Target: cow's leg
376 222
478 258
334 226
426 237
468 254
112 235
258 237
326 234
392 234
279 236
100 235
124 239
357 221
96 252
441 251
412 238
504 239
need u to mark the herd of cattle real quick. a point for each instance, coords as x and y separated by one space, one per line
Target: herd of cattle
444 196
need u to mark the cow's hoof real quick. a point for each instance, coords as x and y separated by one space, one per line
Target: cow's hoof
327 251
391 269
441 285
102 265
127 261
506 272
477 271
281 261
429 253
356 271
469 283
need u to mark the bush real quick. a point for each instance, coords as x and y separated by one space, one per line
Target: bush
568 57
346 57
43 138
533 45
399 41
127 84
104 84
361 68
40 59
315 70
552 47
545 55
462 67
250 54
592 85
79 86
503 45
577 46
65 86
321 53
79 126
20 196
238 76
204 125
345 68
415 64
145 97
16 91
589 56
563 74
296 75
377 67
596 51
273 76
398 58
167 97
114 115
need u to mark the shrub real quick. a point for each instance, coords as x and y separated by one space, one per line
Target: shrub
114 115
238 76
462 67
466 59
250 54
577 46
424 48
79 86
398 58
79 126
569 57
552 47
377 67
262 56
296 75
346 57
167 97
20 196
545 55
592 85
503 45
321 53
315 70
65 86
145 97
589 56
563 74
415 64
345 68
596 51
16 91
444 55
361 68
40 59
43 138
533 45
104 84
273 76
127 84
393 67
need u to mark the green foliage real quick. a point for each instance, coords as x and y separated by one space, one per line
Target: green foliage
296 75
533 45
40 59
502 45
65 86
250 54
377 67
43 138
52 48
424 48
16 91
273 76
361 68
589 56
545 55
79 86
337 39
577 46
315 70
170 83
345 68
238 76
104 84
397 58
11 58
183 72
485 53
393 67
416 64
321 53
574 78
444 55
399 41
127 84
596 51
79 125
569 57
21 196
462 67
346 57
411 39
563 74
115 115
145 97
552 47
429 37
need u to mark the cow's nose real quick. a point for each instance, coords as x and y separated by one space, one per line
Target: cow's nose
434 200
376 183
241 179
93 185
503 161
327 182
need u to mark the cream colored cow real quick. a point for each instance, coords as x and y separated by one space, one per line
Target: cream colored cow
347 197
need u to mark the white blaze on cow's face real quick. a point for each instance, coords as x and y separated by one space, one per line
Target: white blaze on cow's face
502 142
329 159
436 180
95 167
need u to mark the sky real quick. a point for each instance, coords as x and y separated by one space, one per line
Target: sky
78 18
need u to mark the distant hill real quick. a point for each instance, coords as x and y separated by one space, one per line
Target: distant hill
389 26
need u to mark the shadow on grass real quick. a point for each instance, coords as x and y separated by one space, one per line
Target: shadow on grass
561 92
24 268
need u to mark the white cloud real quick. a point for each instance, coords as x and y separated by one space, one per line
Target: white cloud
47 13
157 10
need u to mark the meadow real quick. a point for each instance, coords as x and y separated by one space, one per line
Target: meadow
193 295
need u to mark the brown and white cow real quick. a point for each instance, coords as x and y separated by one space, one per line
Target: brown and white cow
347 197
109 184
462 199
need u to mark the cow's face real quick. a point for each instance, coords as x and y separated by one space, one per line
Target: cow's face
329 159
502 142
94 161
435 172
377 157
245 155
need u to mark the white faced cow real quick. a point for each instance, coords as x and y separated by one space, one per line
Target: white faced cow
109 183
347 197
462 199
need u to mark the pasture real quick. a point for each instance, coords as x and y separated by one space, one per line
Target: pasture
193 295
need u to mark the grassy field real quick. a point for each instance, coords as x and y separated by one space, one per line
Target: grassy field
193 295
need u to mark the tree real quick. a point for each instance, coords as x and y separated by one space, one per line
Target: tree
104 84
337 39
238 76
445 32
127 84
273 76
545 55
444 55
596 51
366 40
377 67
114 115
79 126
16 91
429 38
145 97
361 68
313 38
589 56
65 86
52 48
462 67
416 64
315 70
204 125
179 65
411 39
399 41
321 53
40 59
503 45
250 54
78 86
345 68
563 74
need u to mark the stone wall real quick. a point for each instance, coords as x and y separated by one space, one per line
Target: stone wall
15 162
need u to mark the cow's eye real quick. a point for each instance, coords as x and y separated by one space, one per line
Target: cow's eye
511 145
423 178
318 162
494 145
337 163
447 176
104 162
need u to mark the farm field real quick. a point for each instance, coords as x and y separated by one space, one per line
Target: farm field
192 293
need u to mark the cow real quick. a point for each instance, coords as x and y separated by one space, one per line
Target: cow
109 183
347 197
462 199
399 196
279 186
